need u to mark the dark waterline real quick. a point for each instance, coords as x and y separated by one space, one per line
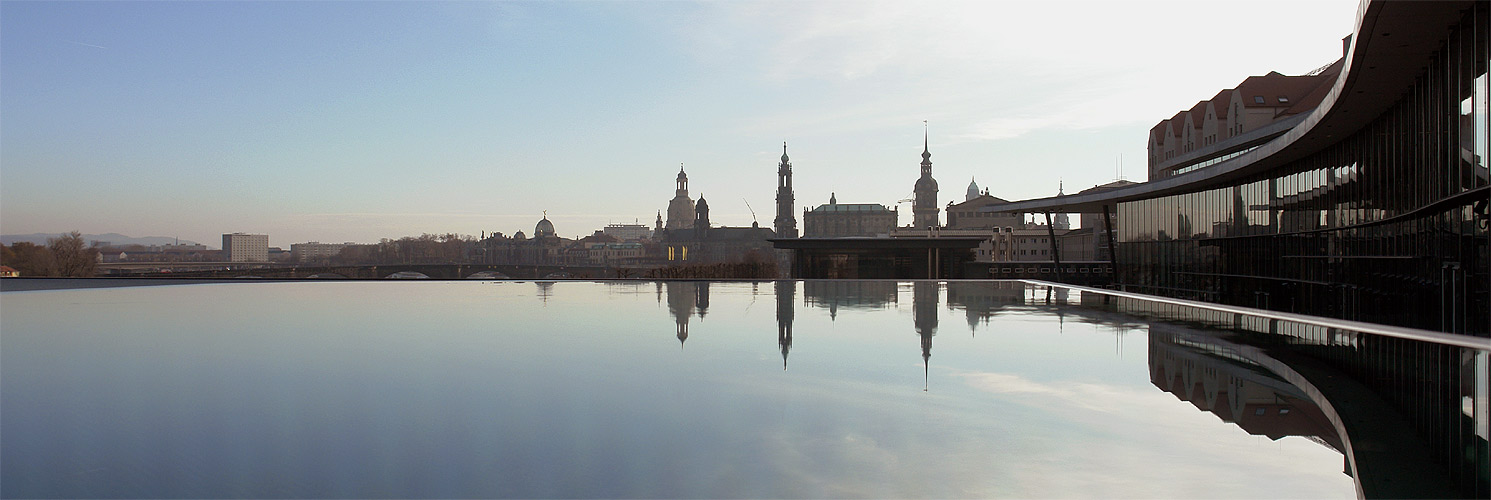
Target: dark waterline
633 389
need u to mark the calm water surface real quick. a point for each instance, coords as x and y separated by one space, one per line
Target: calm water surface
638 389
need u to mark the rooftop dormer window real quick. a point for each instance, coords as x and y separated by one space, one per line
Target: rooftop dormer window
1283 99
1258 99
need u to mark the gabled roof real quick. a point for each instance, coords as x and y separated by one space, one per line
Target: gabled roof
1327 78
1274 85
1158 132
1222 103
1176 123
1198 114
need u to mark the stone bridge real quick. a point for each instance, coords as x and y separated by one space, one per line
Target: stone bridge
438 271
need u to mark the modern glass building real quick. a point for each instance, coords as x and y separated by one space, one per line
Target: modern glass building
1373 207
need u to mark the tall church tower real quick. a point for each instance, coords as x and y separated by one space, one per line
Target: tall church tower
924 210
681 208
786 223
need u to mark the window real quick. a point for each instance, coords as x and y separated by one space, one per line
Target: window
1283 99
1258 99
1258 411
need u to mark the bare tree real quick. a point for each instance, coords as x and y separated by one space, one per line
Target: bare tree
73 256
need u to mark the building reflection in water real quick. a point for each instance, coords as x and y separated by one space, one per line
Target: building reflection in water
686 298
1245 385
924 300
545 290
1240 392
786 292
982 300
849 294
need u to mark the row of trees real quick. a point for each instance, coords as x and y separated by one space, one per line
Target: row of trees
67 255
428 248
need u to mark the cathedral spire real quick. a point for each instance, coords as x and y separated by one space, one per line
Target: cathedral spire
924 209
926 147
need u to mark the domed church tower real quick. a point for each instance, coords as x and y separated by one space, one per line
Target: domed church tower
544 227
681 207
701 219
924 210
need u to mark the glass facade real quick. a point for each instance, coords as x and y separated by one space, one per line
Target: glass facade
1387 225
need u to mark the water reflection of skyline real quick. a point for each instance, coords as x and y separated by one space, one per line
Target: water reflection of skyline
1197 367
980 301
852 378
1238 391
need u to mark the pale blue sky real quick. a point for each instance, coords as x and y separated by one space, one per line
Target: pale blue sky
353 121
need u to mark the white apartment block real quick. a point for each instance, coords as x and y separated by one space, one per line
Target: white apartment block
315 250
241 247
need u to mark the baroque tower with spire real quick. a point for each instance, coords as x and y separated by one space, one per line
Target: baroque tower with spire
924 211
786 222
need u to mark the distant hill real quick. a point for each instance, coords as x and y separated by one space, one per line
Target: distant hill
111 238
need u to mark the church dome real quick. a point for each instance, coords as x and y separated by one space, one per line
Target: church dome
926 183
544 228
702 205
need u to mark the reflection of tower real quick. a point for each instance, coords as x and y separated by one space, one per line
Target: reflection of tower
682 297
924 208
701 298
786 223
786 296
545 289
924 317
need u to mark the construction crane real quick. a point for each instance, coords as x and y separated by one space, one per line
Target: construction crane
753 213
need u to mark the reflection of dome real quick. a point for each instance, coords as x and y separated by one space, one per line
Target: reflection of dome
544 228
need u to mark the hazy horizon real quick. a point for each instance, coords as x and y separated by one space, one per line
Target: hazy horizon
355 121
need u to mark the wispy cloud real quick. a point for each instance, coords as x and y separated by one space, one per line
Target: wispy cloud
74 42
994 70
